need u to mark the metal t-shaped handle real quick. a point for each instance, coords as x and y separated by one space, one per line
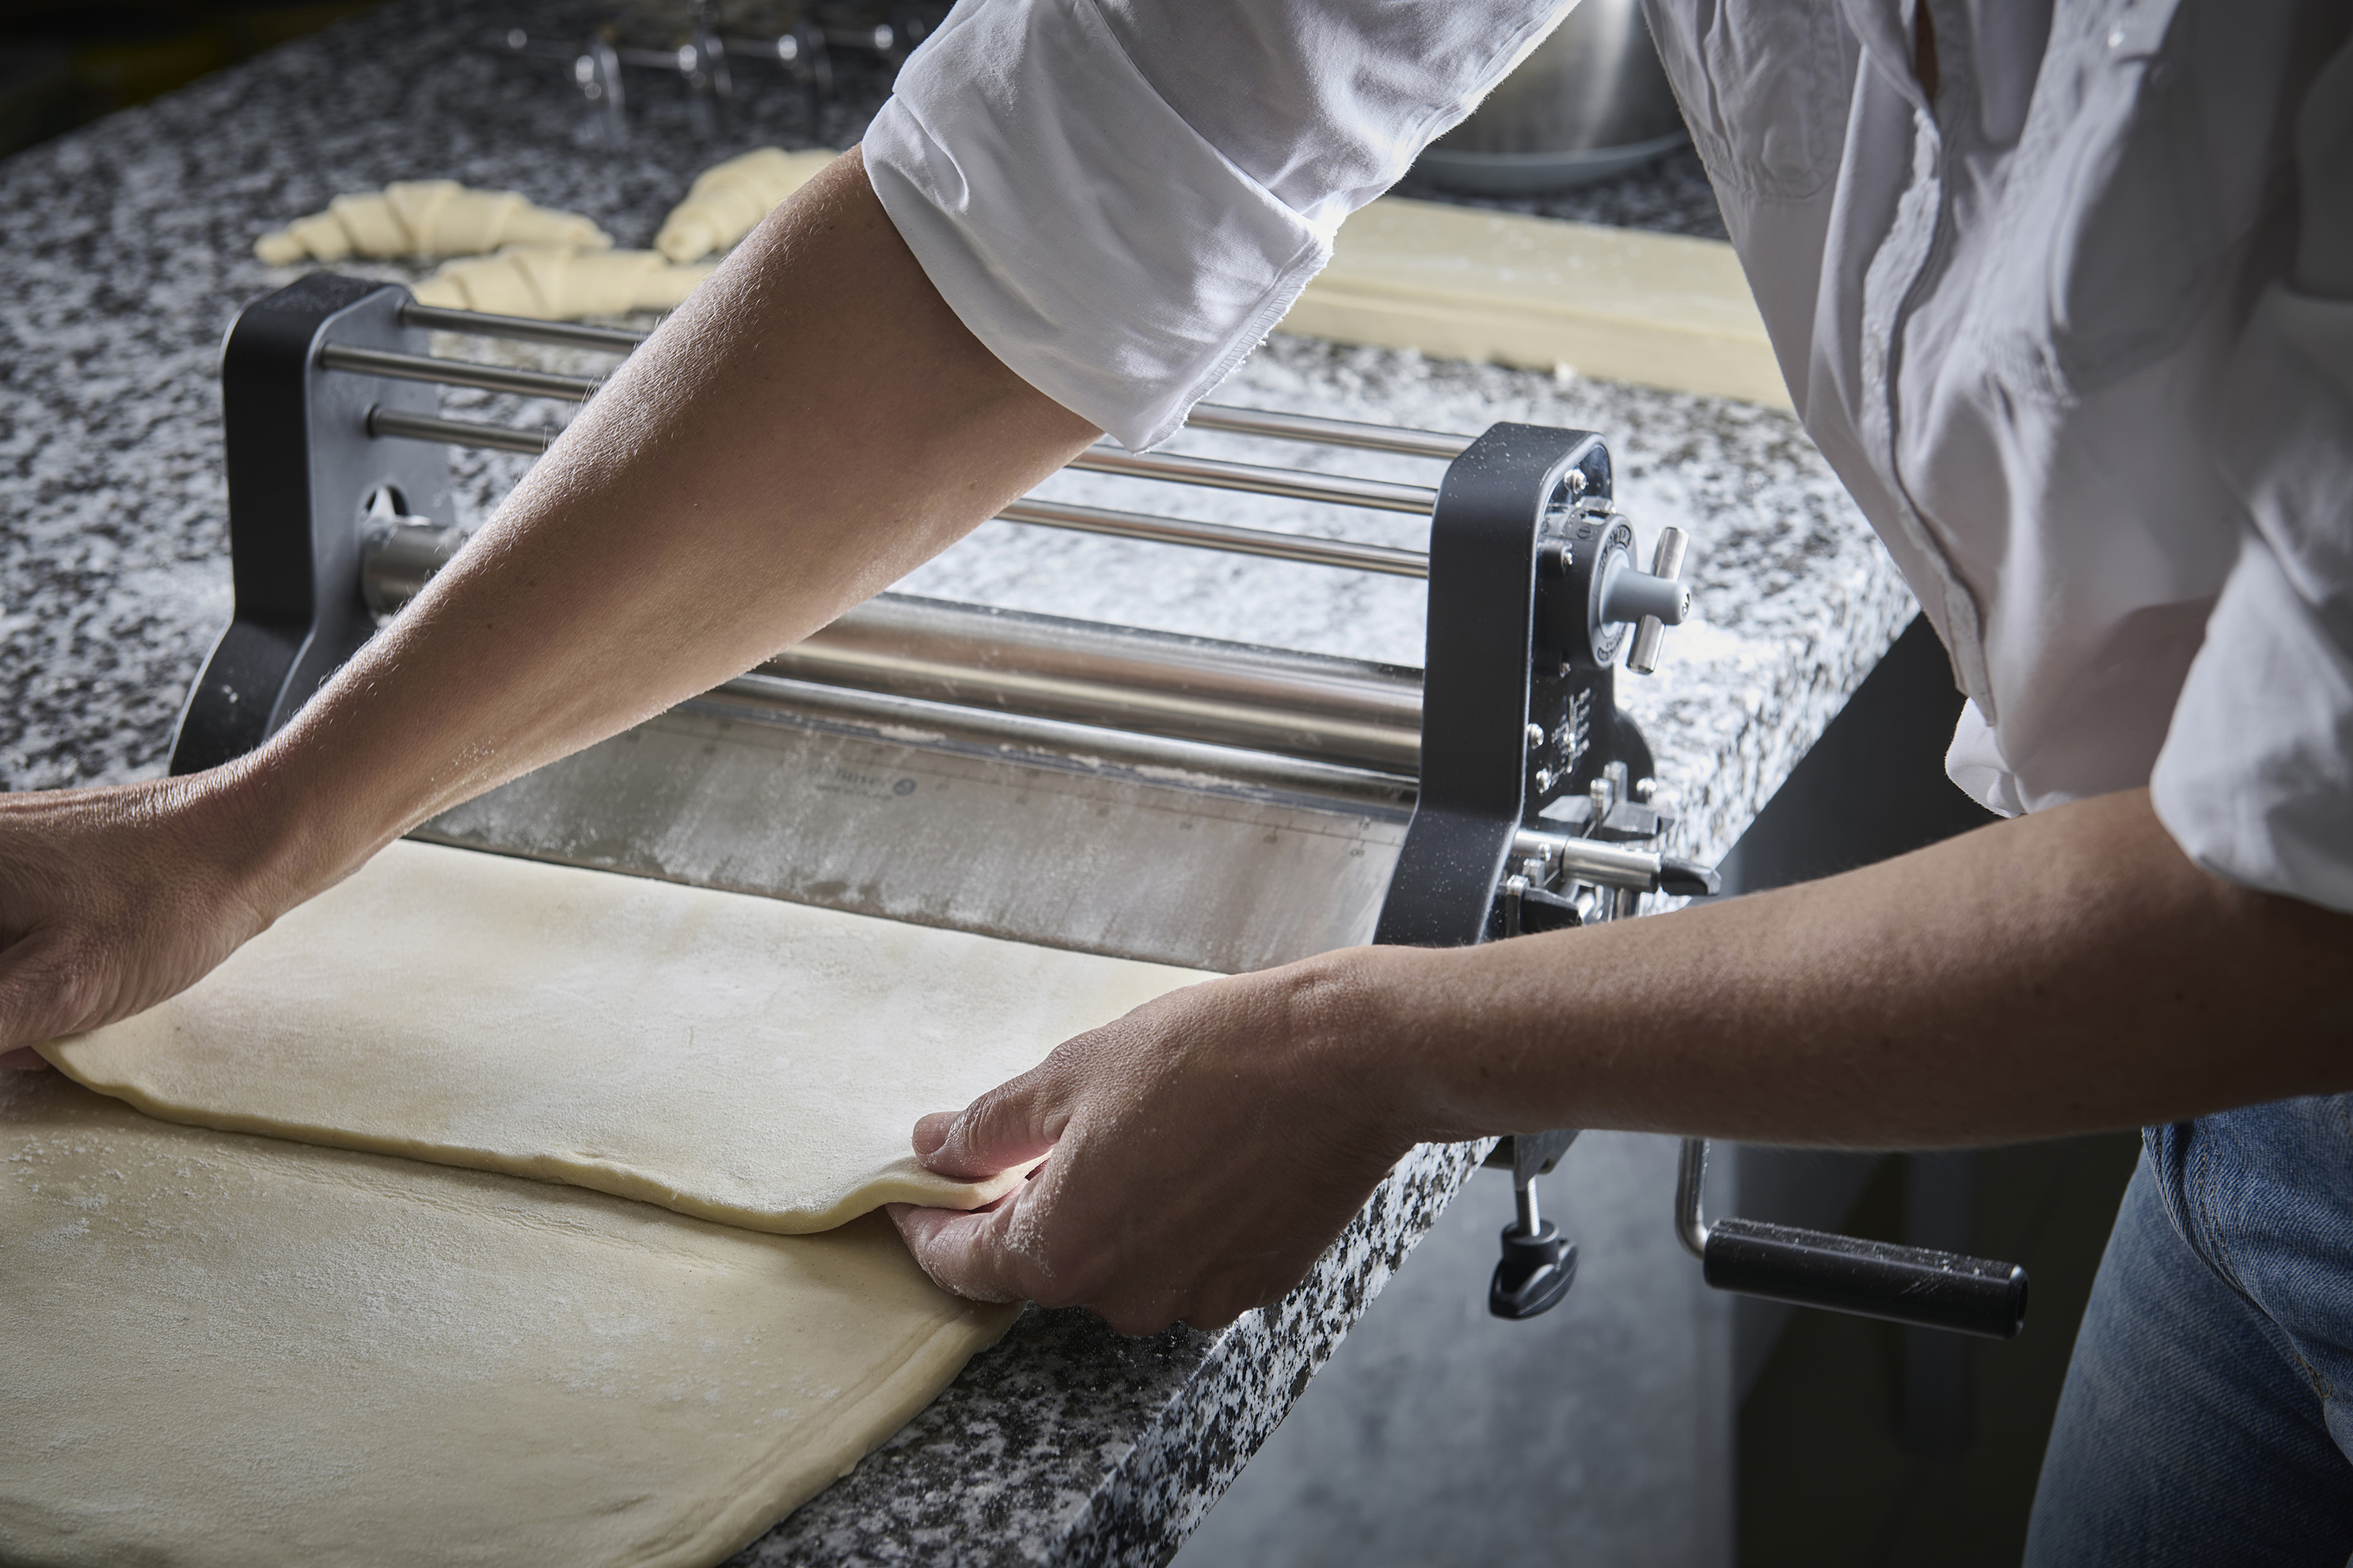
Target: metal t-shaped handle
1666 571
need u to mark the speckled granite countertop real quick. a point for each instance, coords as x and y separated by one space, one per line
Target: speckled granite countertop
125 253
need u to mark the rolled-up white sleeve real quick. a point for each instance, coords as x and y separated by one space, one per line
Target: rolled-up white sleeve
1121 199
2256 781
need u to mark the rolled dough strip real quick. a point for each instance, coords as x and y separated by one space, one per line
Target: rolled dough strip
425 218
242 1352
727 200
551 283
739 1058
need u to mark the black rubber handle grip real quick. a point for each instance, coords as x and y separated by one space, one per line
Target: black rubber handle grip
1871 1278
1688 879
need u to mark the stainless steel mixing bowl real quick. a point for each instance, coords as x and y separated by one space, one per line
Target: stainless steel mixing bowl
1590 102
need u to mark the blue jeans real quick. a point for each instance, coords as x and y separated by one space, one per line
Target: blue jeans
2208 1415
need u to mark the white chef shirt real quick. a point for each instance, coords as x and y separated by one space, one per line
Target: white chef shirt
2078 336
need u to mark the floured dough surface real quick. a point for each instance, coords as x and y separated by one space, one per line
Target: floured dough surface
238 1351
734 1057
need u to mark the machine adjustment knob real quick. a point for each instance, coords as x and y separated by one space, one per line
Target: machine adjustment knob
1535 1272
1595 592
1666 570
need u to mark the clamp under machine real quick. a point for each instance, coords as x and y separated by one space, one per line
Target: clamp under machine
1075 783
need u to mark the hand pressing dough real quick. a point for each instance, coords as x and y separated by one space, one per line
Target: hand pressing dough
740 1058
551 283
242 1352
727 200
426 218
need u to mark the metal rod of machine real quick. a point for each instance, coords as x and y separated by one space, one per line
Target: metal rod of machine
1607 865
481 324
761 695
458 372
1222 536
1296 484
1205 415
389 422
1335 711
1326 432
1332 712
392 422
1690 1184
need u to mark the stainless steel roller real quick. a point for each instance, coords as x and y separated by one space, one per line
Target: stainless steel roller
1032 676
1343 711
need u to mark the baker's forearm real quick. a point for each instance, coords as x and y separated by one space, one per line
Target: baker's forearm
812 424
2060 972
2066 972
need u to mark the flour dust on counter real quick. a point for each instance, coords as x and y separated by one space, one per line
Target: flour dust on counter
236 1350
744 1059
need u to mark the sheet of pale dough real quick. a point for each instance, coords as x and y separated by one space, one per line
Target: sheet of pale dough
239 1350
736 1058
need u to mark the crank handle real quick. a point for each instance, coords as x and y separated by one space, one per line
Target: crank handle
1845 1273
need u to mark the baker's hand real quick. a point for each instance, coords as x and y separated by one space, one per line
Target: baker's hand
1205 1149
113 899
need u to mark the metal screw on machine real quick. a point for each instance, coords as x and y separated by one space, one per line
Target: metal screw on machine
1845 1273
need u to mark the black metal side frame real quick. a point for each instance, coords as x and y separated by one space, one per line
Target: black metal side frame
1519 708
1507 658
300 468
1519 711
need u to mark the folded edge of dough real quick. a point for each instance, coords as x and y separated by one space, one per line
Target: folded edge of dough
110 1071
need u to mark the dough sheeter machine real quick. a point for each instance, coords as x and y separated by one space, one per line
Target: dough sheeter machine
1065 783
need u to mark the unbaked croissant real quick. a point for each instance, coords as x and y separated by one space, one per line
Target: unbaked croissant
426 218
727 199
555 283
